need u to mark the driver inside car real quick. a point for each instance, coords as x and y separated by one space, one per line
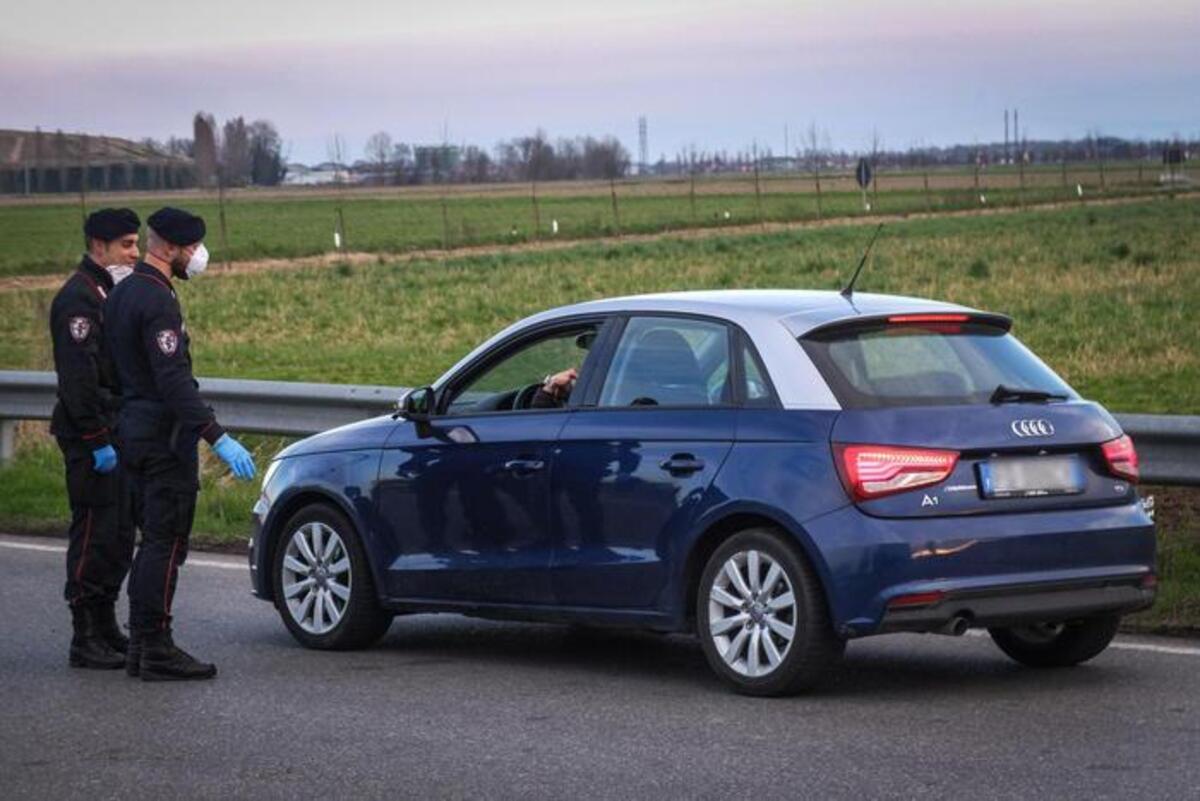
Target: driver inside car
555 390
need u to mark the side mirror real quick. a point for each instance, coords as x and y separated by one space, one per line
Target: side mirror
416 404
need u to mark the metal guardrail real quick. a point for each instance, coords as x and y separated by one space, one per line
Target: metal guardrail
1168 445
260 407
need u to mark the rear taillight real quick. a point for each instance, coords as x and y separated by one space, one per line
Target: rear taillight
1121 457
873 471
939 323
927 318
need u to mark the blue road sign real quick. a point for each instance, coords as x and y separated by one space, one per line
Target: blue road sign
863 173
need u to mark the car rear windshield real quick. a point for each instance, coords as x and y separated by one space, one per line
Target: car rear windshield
887 365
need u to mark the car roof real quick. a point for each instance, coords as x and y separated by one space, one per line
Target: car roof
772 318
799 310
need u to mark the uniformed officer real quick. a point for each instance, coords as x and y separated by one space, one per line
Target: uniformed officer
101 533
161 422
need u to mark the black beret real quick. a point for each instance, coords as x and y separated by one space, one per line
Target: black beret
177 226
110 224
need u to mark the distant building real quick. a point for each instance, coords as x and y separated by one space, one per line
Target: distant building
320 175
37 162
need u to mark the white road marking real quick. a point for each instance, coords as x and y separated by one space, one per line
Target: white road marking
1158 649
1124 645
34 546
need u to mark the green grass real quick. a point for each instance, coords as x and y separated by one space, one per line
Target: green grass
1177 609
1106 295
34 497
41 238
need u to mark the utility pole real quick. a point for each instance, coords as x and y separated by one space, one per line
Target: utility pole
643 146
1017 130
1006 136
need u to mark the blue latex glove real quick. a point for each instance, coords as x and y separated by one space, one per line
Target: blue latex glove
104 459
233 454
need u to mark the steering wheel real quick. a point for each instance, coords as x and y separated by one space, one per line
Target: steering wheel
524 399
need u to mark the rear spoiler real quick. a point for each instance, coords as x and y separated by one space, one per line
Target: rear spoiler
930 319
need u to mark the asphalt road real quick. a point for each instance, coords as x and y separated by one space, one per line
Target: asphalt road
448 707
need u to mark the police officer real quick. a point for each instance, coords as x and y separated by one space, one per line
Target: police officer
101 533
162 420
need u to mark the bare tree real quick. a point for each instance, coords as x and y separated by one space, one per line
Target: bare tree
335 149
379 154
236 160
402 160
876 147
267 163
812 146
204 138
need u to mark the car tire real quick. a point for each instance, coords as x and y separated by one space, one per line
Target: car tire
1047 645
743 623
338 578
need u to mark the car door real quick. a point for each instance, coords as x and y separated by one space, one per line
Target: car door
464 497
633 463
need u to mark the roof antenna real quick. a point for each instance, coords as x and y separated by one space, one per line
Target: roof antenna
849 290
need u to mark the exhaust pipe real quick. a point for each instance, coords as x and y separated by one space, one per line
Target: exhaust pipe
954 627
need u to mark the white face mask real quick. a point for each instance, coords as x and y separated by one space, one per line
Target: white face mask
198 262
119 272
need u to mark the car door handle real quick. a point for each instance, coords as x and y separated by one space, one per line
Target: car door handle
523 467
682 463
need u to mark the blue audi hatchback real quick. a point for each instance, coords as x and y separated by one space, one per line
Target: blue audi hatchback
778 471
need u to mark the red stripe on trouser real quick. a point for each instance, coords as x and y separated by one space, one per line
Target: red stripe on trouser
167 584
87 538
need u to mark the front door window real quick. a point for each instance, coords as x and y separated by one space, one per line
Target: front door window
513 382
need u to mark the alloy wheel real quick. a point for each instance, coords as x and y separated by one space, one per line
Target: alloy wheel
316 577
752 613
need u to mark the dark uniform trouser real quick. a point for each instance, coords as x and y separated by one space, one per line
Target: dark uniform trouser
100 539
165 484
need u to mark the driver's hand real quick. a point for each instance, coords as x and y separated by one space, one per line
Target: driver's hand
560 385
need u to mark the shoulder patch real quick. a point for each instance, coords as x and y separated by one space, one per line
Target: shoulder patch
79 327
168 341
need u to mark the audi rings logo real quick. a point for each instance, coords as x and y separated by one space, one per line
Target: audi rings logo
1032 428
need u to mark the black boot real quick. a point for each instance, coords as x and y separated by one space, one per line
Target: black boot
162 660
88 648
133 657
108 629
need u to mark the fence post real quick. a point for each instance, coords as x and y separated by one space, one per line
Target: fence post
8 441
612 186
692 195
537 212
1021 180
758 193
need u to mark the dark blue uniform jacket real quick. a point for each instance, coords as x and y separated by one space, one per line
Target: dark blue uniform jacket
149 344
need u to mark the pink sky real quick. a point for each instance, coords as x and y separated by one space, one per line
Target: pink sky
719 75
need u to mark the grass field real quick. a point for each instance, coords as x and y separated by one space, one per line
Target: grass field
1106 295
43 237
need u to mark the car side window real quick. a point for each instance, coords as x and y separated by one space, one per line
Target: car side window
669 361
511 383
756 390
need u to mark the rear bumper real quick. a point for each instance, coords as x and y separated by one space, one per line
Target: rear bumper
996 567
1029 603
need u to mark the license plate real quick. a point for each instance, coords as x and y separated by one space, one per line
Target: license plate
1029 477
